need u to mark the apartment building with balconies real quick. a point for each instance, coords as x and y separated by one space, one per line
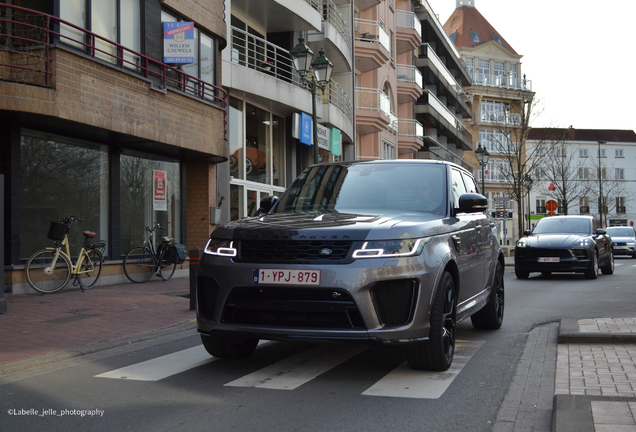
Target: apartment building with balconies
409 102
498 91
267 96
101 119
583 165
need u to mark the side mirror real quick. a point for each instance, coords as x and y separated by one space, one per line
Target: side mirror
600 231
472 203
527 232
267 204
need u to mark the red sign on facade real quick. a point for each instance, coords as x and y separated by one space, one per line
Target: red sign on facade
160 194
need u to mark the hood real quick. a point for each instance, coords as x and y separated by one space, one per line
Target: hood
333 226
554 240
623 239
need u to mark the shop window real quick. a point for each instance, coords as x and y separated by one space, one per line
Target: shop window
60 177
150 191
256 144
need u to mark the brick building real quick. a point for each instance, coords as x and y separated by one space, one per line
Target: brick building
91 117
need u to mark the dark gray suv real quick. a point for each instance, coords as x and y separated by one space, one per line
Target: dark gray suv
391 253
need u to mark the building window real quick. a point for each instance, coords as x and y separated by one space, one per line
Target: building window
618 153
138 180
61 177
500 73
495 112
483 71
495 141
388 150
583 153
512 70
469 66
560 152
601 153
115 20
620 205
540 209
583 173
619 173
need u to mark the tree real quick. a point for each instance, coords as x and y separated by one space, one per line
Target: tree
562 171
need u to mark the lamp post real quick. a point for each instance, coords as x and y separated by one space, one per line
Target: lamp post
302 56
482 156
528 182
601 207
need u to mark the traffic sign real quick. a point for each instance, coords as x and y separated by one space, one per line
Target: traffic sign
551 205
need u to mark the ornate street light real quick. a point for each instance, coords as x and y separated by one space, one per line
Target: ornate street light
302 56
482 156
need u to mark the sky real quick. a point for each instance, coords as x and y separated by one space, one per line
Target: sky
576 53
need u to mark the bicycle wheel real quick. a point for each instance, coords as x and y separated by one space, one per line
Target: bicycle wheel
139 264
166 268
92 265
45 278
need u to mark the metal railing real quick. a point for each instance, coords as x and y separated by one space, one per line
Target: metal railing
259 54
21 40
621 209
410 128
410 74
500 81
444 153
340 99
426 51
439 25
445 112
373 99
409 20
502 118
584 209
332 15
314 4
373 32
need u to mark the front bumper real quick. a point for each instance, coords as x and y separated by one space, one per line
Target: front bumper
527 259
624 250
373 301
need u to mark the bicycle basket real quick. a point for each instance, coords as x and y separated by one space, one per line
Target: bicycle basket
57 231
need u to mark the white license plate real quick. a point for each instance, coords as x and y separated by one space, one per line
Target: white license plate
286 277
550 259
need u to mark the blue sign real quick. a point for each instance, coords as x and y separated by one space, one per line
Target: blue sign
178 42
305 129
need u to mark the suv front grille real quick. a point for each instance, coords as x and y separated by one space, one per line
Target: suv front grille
294 252
545 252
292 307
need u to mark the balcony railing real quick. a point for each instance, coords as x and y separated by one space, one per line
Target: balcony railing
332 15
584 209
340 99
445 112
501 81
426 51
314 4
410 128
621 209
541 210
27 37
408 20
410 74
373 32
373 99
502 118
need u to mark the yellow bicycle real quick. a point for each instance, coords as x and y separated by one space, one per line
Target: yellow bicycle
50 269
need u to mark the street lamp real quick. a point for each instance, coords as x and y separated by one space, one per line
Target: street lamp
600 185
302 56
528 182
482 156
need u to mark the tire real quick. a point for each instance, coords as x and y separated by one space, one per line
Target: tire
229 348
42 277
490 317
139 265
88 280
521 274
592 272
436 354
608 268
166 268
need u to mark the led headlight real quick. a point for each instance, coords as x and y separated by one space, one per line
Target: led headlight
391 248
584 242
522 242
631 243
220 247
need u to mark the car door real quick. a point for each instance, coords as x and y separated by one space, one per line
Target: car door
602 243
467 240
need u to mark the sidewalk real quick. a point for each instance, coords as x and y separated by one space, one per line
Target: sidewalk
44 328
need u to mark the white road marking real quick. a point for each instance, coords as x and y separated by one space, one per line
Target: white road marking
408 383
162 367
294 371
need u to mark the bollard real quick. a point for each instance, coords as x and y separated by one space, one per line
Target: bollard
195 256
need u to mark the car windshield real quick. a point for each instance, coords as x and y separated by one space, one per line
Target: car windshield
372 188
563 226
620 232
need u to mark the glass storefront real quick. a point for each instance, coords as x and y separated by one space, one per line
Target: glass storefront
257 157
59 178
150 192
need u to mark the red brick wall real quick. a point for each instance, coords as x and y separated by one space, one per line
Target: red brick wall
200 196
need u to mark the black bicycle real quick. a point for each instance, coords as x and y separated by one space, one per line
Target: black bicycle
144 261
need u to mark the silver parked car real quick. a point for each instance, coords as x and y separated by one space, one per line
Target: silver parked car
624 238
391 253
